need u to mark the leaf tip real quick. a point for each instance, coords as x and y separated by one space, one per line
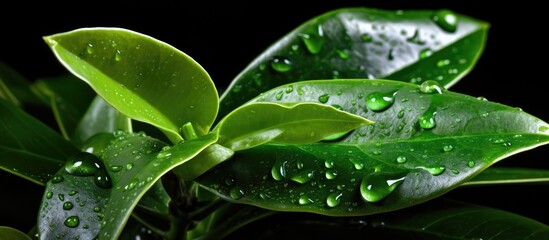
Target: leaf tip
50 41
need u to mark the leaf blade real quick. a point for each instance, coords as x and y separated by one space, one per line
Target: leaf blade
505 175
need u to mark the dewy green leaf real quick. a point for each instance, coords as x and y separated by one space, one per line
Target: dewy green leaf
423 144
68 97
407 46
28 148
100 117
257 123
145 79
88 201
506 175
12 234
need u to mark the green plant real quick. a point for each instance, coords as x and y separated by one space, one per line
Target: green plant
281 139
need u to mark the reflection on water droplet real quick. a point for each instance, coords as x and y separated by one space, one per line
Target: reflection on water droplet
281 64
431 86
279 95
425 53
97 209
427 120
435 171
448 148
116 168
443 62
329 164
313 40
278 171
72 221
377 186
401 159
129 166
379 101
289 89
333 199
416 38
67 205
304 200
303 177
330 174
49 195
471 164
89 48
357 164
323 98
236 193
446 20
57 179
366 38
83 164
299 164
117 56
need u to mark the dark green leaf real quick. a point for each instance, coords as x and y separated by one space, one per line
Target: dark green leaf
134 230
257 123
9 233
363 43
15 88
100 117
69 97
155 199
134 162
145 79
505 175
28 148
421 146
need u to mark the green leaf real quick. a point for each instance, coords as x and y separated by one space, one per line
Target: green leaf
506 175
68 97
12 234
204 161
28 148
363 43
15 88
155 200
143 78
133 161
422 145
99 118
257 123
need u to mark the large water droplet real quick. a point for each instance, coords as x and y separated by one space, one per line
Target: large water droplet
278 171
446 19
329 164
330 174
83 164
379 185
324 98
49 195
435 171
304 200
333 199
431 86
425 53
379 101
72 221
281 64
313 40
236 193
303 177
357 164
427 120
67 206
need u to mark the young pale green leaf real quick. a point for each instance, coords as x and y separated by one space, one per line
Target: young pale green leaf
438 219
423 144
204 161
407 46
15 88
28 148
103 198
100 117
505 175
143 78
68 98
12 234
295 123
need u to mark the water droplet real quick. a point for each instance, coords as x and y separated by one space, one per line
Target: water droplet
455 171
448 148
435 171
83 164
129 166
367 38
72 221
61 197
343 54
323 98
304 200
471 164
378 185
57 179
425 53
117 56
67 205
431 86
236 193
314 40
279 95
281 64
103 180
49 195
390 55
289 89
446 20
72 192
333 199
264 196
131 185
400 113
278 171
329 164
116 168
299 164
376 152
543 128
357 164
97 209
427 120
89 48
443 62
303 177
330 174
401 159
416 38
379 101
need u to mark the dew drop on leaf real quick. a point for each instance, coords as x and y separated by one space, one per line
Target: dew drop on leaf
72 221
435 171
83 164
333 199
427 120
378 185
281 64
303 177
57 179
304 200
314 40
431 86
67 205
379 101
329 164
401 159
278 171
117 56
236 193
446 19
49 195
323 98
425 53
89 48
471 164
330 174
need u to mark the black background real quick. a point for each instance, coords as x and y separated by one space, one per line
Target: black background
225 37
